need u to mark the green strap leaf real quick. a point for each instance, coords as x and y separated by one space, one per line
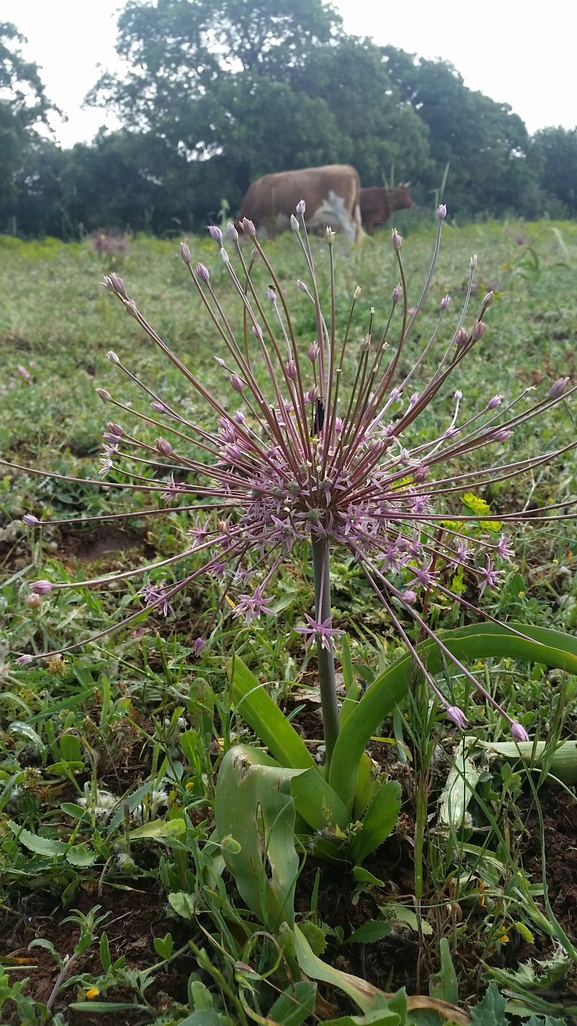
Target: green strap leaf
254 806
266 719
360 991
480 641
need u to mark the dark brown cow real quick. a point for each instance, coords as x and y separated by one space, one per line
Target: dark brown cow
377 204
331 194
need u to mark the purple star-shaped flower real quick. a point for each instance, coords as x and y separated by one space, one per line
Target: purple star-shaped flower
319 631
253 606
489 576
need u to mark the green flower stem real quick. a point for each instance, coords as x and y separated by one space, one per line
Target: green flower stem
325 655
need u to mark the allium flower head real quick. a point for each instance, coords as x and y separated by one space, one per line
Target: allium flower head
323 445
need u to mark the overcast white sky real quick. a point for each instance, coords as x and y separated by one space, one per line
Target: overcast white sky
515 53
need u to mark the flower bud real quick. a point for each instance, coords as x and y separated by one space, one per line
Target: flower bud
408 596
114 429
479 329
159 407
330 235
215 233
231 232
163 447
236 383
257 332
494 402
461 337
291 370
294 224
503 434
104 395
224 255
518 732
41 587
456 716
473 261
357 292
301 285
248 227
33 600
24 660
271 294
420 474
197 646
397 293
202 272
30 520
396 239
117 284
131 308
313 352
366 344
112 356
445 301
559 386
185 253
488 300
442 211
301 207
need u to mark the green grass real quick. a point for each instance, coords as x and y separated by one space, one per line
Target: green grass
69 728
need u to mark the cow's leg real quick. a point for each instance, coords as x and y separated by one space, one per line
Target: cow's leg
358 223
350 229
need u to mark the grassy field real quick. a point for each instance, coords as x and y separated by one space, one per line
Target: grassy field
115 899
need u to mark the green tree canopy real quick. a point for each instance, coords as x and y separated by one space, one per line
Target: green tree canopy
179 50
378 133
557 150
485 144
23 106
257 86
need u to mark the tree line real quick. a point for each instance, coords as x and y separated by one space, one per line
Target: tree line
215 93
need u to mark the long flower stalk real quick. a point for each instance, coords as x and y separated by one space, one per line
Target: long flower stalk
316 448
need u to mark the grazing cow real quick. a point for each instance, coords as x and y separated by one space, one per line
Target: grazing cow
331 194
377 204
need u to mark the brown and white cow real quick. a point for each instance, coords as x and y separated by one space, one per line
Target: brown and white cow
377 204
331 194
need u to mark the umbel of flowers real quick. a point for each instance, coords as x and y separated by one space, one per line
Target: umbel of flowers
321 444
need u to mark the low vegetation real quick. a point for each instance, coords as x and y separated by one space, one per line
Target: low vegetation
182 838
